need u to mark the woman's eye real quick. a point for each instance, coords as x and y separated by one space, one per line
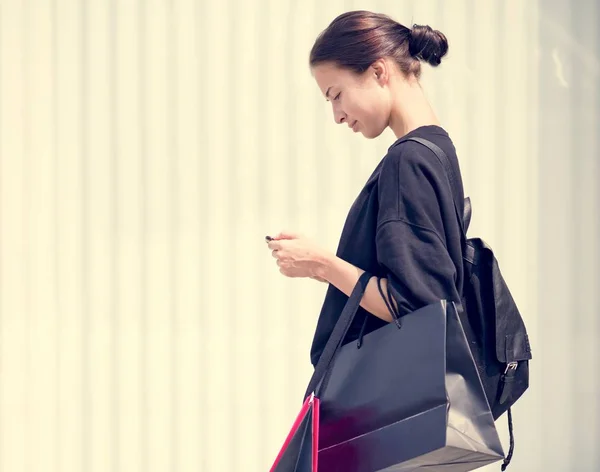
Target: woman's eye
337 97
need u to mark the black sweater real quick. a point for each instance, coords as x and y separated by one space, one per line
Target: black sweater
402 226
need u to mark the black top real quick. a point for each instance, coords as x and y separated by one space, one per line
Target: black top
402 226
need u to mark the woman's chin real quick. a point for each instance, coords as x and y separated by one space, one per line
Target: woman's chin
369 134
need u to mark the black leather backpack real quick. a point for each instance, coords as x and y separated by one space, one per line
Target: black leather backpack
490 317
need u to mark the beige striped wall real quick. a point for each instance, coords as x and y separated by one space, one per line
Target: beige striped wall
146 149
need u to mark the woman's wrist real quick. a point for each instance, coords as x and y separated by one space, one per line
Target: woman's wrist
343 275
327 266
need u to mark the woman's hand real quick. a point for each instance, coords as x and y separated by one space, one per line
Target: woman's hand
299 256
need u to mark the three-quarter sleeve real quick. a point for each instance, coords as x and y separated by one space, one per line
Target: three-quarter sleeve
412 231
418 268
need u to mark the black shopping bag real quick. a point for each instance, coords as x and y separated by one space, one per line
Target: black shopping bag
407 397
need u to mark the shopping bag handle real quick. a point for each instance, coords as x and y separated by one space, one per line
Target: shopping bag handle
336 338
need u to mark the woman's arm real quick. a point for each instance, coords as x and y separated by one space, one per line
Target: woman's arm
344 276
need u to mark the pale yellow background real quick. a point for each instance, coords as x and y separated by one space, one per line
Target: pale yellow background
147 147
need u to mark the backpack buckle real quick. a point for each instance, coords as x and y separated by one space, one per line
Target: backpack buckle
506 382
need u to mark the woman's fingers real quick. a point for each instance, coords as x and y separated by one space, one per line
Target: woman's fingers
288 235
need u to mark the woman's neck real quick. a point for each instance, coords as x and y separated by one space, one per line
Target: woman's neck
410 109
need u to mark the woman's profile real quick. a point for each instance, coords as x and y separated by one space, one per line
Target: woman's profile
402 227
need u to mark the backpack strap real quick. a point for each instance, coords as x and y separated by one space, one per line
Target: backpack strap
467 213
464 217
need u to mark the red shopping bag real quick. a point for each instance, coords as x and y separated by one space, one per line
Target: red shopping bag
299 452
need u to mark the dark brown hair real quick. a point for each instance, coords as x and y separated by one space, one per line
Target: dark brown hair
356 39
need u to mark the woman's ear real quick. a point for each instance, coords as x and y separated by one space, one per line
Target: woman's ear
380 71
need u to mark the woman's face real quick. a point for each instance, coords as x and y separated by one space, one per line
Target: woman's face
360 101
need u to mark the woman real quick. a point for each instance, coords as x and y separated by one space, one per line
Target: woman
402 227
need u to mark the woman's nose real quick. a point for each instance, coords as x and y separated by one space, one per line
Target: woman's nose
339 117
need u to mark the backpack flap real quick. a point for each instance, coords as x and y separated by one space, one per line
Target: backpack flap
512 342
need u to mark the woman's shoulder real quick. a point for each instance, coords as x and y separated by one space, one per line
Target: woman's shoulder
406 157
405 146
412 179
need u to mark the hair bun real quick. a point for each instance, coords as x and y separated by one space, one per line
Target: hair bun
427 44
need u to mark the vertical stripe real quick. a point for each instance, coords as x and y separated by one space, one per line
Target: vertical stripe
471 100
331 146
234 110
39 190
100 232
533 435
130 247
85 215
595 262
262 133
290 197
202 44
171 92
319 136
594 388
39 181
14 258
115 298
585 210
2 223
58 319
229 333
143 244
69 226
234 27
218 301
159 263
576 225
485 140
502 94
556 224
187 271
455 72
27 214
